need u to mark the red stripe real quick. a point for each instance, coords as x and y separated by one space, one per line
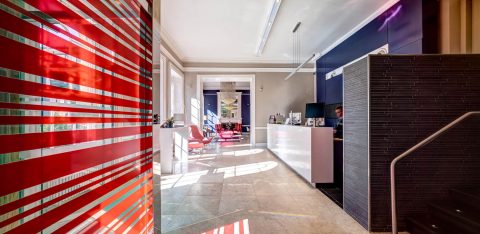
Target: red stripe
228 229
6 105
60 198
88 214
150 226
22 142
127 223
132 215
28 172
45 64
241 231
127 12
21 27
114 213
31 88
73 20
47 192
116 19
39 223
61 29
8 120
108 25
141 223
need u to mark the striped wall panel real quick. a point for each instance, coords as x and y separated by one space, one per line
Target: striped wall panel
75 116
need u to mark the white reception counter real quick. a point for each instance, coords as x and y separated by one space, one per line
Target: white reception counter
308 151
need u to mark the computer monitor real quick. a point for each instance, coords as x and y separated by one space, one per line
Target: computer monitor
315 110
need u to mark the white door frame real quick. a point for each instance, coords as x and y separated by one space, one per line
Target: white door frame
230 78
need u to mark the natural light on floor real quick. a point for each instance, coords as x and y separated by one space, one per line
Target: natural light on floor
239 227
178 180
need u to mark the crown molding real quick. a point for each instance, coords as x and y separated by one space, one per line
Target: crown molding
238 60
171 43
242 69
172 59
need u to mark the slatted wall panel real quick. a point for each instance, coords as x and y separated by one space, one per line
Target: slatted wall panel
75 125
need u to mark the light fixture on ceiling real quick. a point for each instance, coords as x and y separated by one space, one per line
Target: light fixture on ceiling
268 26
301 65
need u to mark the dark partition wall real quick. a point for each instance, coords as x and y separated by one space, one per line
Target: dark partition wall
408 98
411 97
355 140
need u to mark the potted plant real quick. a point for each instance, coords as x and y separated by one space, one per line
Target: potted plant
169 122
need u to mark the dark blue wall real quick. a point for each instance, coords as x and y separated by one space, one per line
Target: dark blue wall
210 108
210 98
403 34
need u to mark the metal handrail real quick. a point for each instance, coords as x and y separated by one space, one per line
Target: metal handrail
404 154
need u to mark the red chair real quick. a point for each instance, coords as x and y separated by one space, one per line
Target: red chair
227 133
197 136
238 129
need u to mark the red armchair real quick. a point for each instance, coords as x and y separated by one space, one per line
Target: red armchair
197 136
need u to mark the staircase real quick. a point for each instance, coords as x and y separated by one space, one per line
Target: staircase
459 214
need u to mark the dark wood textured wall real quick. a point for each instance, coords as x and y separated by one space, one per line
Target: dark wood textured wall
411 97
355 179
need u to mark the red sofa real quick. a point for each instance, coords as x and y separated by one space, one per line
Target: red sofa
229 130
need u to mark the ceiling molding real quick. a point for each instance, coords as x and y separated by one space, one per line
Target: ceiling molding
242 69
240 60
171 44
362 24
172 59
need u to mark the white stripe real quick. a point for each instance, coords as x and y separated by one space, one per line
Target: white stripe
44 128
246 229
42 113
44 101
236 228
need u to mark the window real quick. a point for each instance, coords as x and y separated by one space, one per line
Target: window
176 92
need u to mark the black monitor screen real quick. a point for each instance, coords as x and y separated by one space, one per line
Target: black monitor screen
314 110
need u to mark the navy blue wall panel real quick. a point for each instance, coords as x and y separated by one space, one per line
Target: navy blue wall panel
335 91
400 27
245 110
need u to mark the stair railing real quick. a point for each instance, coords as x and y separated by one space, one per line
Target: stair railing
406 153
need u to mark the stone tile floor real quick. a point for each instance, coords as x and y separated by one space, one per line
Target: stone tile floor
234 183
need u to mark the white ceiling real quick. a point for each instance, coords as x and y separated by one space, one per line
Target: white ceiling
230 30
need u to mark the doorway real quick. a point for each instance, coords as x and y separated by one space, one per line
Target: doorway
244 86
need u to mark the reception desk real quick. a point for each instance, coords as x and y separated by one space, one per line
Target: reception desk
308 151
